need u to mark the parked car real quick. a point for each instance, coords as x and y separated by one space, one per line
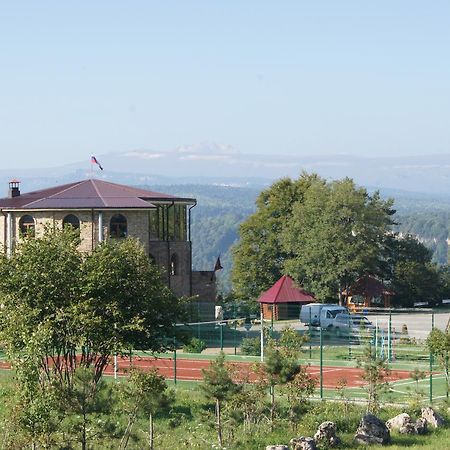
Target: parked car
352 324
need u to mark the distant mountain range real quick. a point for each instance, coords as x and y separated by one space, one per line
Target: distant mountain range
211 163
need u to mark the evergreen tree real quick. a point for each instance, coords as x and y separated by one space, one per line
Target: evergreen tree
218 386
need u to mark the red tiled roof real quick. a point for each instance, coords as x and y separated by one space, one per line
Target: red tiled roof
88 194
369 286
285 291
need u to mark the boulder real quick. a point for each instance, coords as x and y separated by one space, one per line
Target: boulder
407 428
432 417
326 434
372 430
421 426
303 443
277 447
399 421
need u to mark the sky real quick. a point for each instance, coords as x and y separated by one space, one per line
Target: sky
271 77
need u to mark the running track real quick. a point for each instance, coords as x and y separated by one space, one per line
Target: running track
191 370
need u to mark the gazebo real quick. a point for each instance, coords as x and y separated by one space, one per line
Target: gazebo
284 300
368 292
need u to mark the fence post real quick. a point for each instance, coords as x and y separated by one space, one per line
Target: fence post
271 322
431 362
390 336
349 344
376 338
321 364
446 371
198 319
234 335
174 360
221 336
262 335
310 335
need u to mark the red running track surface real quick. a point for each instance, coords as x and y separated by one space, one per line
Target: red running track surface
191 369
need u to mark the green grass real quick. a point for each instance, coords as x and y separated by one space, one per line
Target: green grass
190 424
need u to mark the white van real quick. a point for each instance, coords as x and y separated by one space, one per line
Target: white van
320 314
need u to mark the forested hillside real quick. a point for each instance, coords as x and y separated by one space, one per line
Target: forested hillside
220 210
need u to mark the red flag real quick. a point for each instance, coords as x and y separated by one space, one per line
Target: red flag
95 161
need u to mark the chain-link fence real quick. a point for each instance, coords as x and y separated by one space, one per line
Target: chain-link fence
335 354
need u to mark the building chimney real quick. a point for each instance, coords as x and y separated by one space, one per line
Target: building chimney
14 190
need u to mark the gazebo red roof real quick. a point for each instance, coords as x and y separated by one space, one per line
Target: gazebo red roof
285 291
369 286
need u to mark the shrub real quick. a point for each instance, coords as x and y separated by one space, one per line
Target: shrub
251 346
195 345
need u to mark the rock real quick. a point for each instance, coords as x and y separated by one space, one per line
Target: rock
432 417
399 421
277 447
372 430
421 426
326 434
303 443
407 428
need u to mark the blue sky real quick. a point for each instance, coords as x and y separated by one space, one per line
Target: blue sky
291 77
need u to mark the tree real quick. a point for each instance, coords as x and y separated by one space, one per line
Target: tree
324 235
258 258
219 386
297 391
375 373
57 300
85 403
281 363
33 413
144 392
126 304
409 269
335 235
414 282
439 344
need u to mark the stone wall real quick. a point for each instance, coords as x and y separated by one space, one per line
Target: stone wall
162 251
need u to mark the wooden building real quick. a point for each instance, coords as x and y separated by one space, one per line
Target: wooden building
367 292
284 300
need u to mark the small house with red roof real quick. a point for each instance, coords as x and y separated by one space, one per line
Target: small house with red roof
367 292
284 300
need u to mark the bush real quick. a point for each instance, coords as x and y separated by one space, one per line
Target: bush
251 346
195 345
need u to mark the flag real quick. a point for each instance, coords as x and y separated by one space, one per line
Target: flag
94 161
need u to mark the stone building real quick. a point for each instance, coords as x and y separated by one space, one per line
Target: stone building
103 210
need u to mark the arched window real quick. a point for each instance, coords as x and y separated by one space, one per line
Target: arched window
71 221
174 264
118 227
26 225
